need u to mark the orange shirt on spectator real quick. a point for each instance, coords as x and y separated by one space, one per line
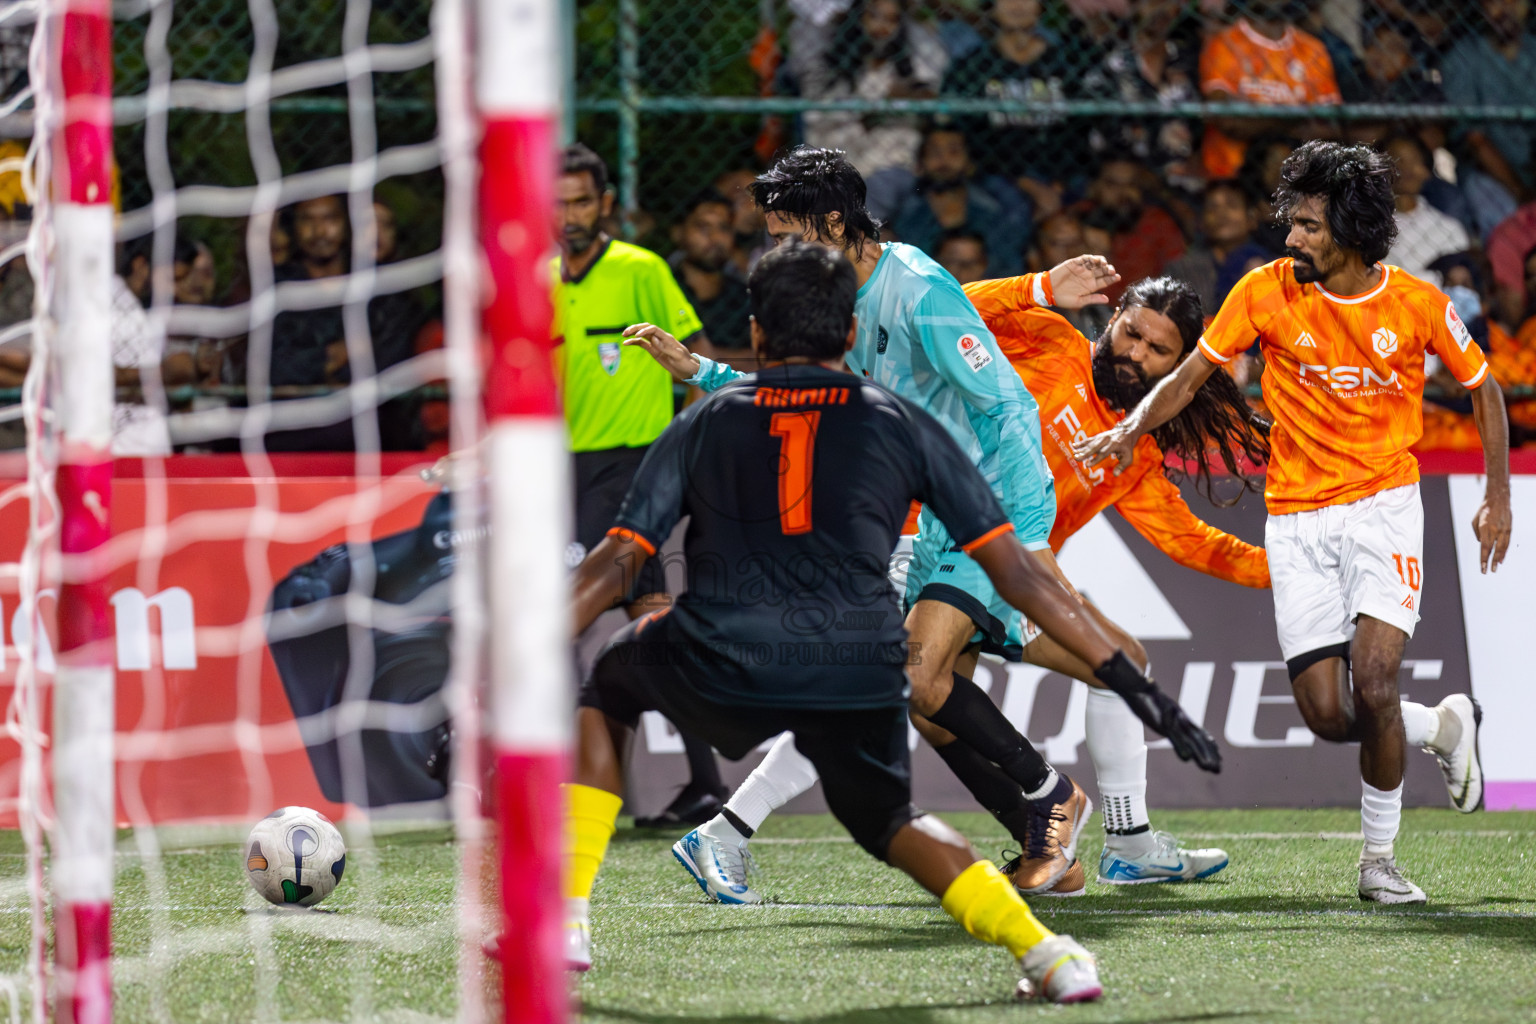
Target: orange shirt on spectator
1512 361
1250 67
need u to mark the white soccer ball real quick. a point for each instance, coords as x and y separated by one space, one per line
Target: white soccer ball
295 856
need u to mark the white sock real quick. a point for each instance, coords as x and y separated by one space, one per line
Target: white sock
1117 745
1046 787
783 775
1421 724
1381 812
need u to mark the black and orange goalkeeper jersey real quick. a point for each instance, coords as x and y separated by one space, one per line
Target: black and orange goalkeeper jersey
797 480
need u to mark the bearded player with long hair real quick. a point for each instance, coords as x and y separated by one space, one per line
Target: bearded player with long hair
1081 387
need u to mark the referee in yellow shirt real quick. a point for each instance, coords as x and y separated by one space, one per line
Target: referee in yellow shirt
617 400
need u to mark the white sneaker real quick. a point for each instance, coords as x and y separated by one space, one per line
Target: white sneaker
1166 861
718 865
578 936
1060 971
1462 765
1382 881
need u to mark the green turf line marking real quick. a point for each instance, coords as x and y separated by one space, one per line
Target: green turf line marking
1279 836
1052 907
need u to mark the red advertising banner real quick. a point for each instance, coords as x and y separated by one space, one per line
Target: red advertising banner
204 728
207 732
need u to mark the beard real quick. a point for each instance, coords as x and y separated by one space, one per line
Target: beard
711 261
579 240
1118 380
1119 220
929 184
1302 266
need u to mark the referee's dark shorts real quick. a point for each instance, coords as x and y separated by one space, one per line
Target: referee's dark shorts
860 753
601 480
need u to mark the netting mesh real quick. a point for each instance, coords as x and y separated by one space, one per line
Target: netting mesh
1007 135
281 637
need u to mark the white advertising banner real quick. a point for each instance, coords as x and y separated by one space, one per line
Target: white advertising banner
1499 609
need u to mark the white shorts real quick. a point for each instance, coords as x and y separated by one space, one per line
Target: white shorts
1329 565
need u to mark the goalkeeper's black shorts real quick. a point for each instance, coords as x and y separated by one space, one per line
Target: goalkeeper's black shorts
860 754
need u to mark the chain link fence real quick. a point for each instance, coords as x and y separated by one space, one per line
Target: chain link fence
1005 135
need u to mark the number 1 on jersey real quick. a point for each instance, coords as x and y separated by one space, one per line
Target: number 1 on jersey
796 432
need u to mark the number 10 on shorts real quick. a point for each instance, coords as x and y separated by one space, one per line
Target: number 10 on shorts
1413 576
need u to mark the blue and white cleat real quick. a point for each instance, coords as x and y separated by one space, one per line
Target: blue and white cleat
1167 861
720 866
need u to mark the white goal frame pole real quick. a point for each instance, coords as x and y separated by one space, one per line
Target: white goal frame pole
517 92
81 395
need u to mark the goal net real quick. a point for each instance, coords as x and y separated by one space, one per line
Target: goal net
251 457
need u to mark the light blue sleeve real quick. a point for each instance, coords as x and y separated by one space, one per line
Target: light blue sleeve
712 375
967 356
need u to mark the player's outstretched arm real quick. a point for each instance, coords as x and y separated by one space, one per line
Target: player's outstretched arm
604 577
1494 518
1027 585
1164 402
675 357
672 354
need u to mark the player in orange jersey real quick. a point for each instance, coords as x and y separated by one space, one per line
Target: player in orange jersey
1080 387
1344 338
1083 387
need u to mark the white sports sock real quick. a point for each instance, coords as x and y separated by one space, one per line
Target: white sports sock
1117 745
783 775
1381 812
1421 724
1046 787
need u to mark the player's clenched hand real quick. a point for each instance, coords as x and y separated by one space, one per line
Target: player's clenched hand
1491 526
1081 281
1115 443
1163 714
672 354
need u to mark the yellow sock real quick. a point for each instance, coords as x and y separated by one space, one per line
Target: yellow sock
590 815
987 904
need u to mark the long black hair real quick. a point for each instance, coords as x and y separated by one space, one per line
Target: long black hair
809 183
1217 421
1355 183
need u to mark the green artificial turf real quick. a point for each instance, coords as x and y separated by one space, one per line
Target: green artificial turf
1277 936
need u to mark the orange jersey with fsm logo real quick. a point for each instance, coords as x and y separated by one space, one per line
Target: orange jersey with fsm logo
1056 365
1343 377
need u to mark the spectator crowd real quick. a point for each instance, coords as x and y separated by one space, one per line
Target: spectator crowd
1160 191
1155 189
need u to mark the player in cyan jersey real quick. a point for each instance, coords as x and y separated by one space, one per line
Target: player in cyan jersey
919 336
1344 337
1082 387
796 481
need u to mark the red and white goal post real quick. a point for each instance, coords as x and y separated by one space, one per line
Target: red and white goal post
499 152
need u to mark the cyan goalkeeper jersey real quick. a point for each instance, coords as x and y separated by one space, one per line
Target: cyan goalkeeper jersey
920 337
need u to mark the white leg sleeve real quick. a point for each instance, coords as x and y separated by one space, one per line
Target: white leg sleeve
1117 745
783 775
1419 723
1381 812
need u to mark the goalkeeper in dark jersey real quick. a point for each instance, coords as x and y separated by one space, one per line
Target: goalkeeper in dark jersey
797 480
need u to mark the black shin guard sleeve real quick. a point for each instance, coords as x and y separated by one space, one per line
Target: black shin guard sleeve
970 714
988 783
703 769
